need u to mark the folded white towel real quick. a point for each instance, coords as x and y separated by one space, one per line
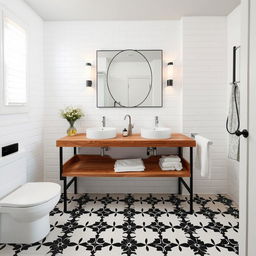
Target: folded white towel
170 159
171 169
167 165
130 170
173 166
129 164
202 160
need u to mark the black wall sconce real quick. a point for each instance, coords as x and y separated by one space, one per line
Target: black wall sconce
88 73
170 74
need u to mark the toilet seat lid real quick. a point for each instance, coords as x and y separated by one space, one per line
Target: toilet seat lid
31 194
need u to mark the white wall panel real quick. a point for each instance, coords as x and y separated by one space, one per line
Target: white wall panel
27 129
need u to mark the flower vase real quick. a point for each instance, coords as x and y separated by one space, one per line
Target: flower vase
71 130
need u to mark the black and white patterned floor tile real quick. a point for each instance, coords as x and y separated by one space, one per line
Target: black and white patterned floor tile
127 224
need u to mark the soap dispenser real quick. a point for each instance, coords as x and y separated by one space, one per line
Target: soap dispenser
125 132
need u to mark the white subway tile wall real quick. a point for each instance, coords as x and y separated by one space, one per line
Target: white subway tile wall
27 129
196 103
68 46
204 50
198 41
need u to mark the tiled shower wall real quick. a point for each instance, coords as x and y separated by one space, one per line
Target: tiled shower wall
234 34
204 50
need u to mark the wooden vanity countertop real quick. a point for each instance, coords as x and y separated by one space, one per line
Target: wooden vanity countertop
80 140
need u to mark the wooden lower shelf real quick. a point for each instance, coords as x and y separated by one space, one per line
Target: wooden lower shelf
98 166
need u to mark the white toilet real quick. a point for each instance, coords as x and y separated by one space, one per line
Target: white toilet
24 207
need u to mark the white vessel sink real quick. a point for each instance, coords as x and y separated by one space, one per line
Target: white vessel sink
156 133
101 133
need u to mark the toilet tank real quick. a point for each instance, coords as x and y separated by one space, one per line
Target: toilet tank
13 172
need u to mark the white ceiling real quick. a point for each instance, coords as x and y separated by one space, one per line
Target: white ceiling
62 10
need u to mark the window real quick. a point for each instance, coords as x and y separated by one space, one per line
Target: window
14 70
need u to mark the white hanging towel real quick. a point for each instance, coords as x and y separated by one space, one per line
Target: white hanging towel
202 160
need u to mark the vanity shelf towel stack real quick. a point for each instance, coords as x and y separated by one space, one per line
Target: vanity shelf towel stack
129 165
170 163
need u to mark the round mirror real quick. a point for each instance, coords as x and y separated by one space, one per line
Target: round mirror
129 78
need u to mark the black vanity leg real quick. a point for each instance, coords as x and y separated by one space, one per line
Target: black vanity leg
75 185
179 186
180 153
64 180
75 180
65 195
191 180
61 161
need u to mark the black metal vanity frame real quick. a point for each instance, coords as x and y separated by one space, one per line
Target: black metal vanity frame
66 184
181 181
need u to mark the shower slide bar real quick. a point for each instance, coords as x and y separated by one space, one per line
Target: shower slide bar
235 49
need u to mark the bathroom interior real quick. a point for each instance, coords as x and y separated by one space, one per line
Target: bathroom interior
144 163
